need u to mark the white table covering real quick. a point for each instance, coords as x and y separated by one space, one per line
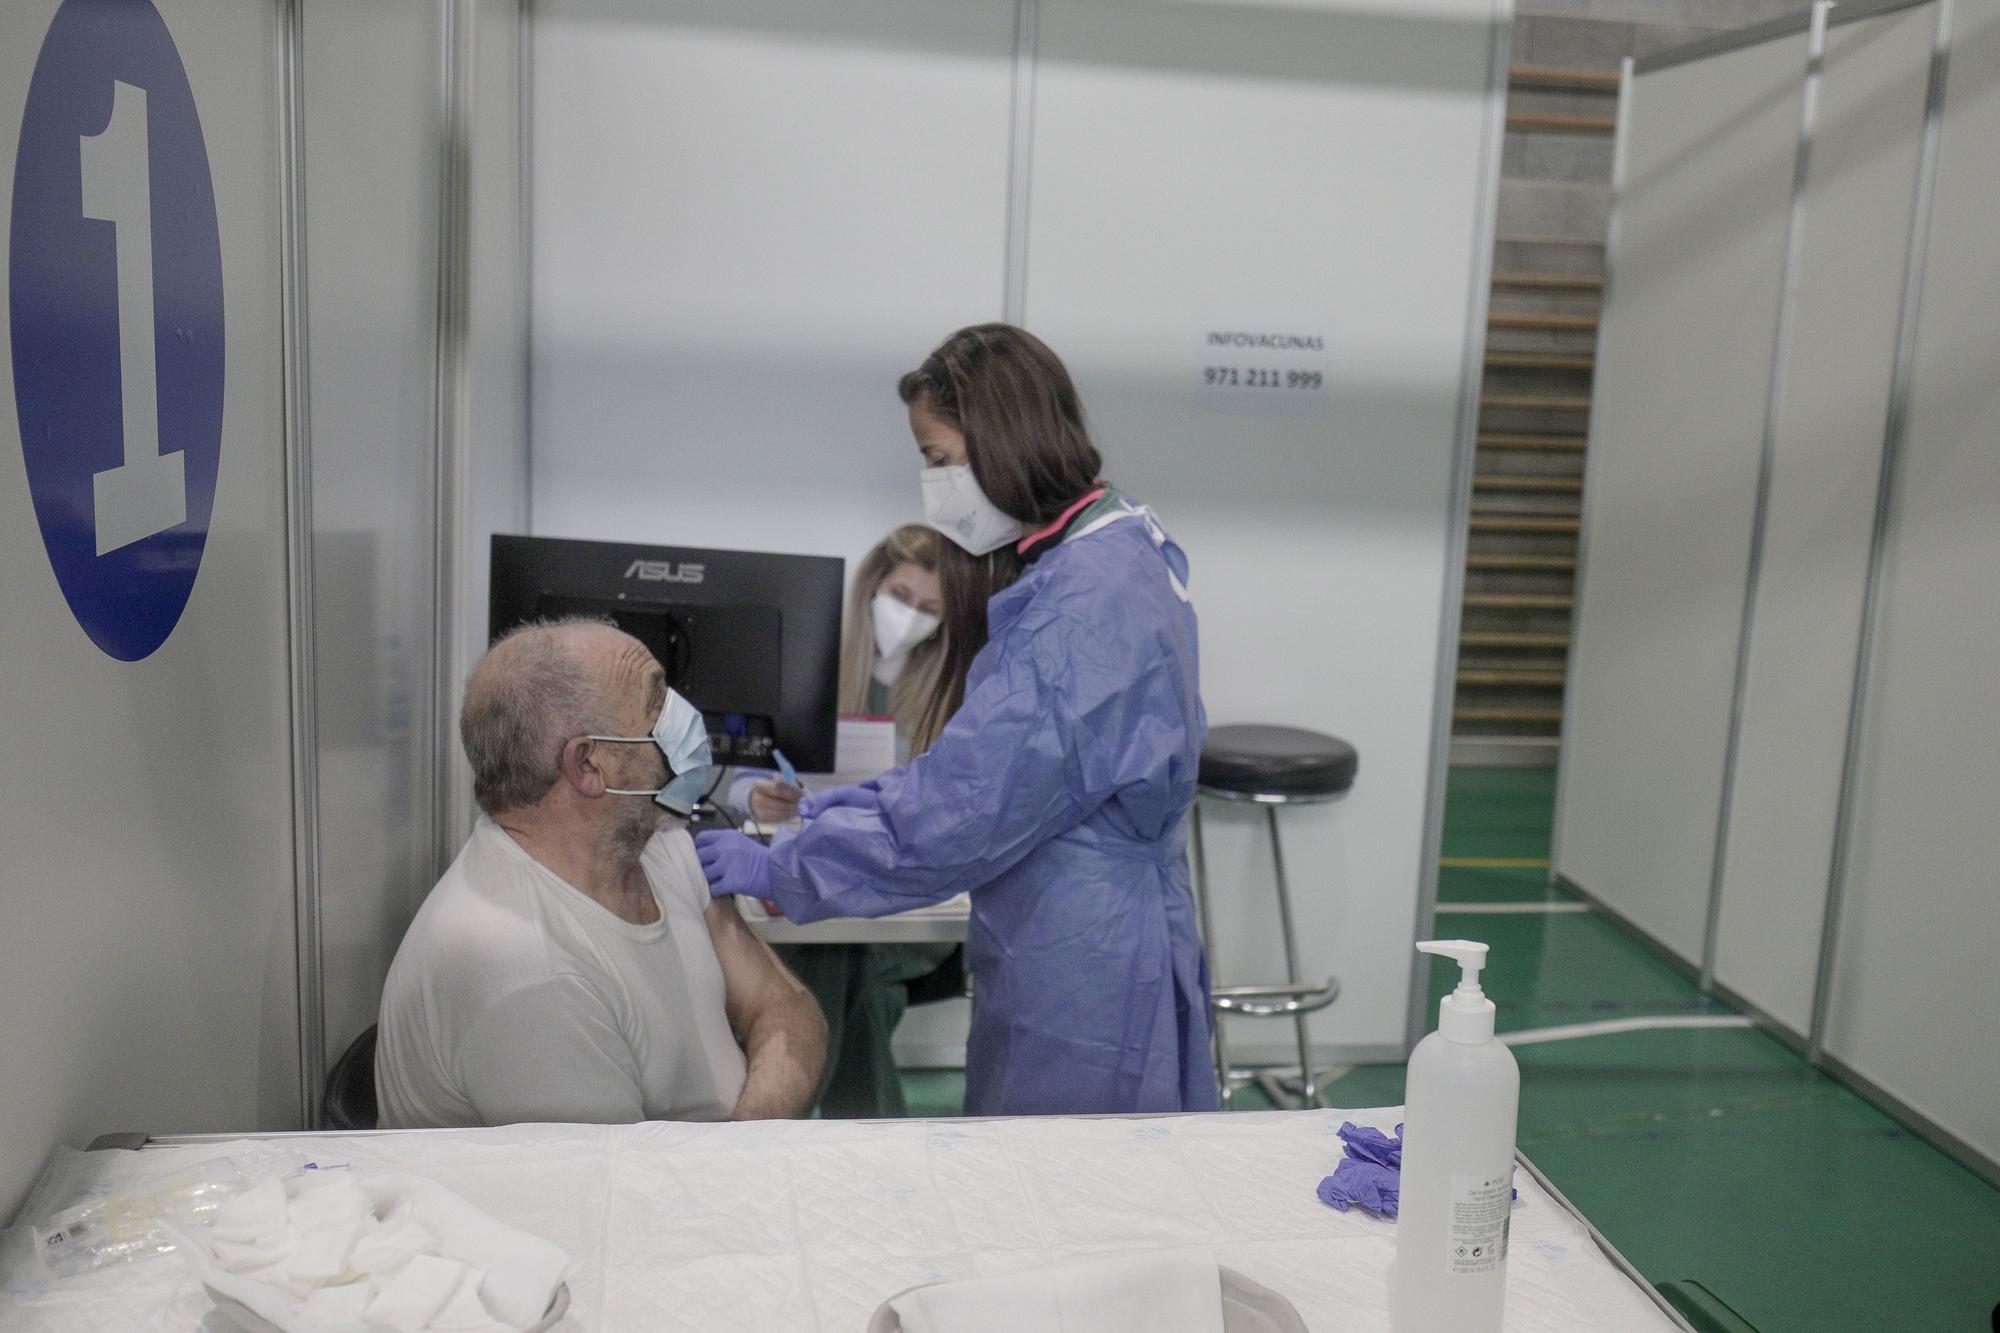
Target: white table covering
810 1225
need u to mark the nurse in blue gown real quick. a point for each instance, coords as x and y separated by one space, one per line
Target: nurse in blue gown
1058 793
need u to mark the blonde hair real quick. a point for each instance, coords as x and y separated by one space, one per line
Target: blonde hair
913 699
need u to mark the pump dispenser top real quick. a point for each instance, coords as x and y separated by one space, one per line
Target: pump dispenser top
1465 1015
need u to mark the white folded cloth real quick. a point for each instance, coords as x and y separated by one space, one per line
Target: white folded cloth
341 1306
465 1312
334 1251
415 1293
399 1239
1169 1291
252 1216
324 1199
321 1254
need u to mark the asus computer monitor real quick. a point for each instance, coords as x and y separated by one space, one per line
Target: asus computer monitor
752 639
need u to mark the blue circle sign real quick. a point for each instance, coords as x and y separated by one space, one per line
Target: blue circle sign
115 303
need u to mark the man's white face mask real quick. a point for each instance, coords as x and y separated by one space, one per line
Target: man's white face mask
899 627
955 506
682 736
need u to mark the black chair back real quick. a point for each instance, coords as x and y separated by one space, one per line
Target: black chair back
350 1086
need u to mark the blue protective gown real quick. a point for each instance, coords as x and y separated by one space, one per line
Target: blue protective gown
1058 796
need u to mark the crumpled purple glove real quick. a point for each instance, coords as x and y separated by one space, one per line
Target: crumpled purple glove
734 863
1371 1173
862 796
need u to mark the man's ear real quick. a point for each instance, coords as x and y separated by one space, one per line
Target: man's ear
581 765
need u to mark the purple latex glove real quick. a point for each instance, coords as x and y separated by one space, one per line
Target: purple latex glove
1373 1186
1371 1173
1372 1145
734 863
863 796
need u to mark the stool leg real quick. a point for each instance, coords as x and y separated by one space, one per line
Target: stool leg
1308 1093
1216 1039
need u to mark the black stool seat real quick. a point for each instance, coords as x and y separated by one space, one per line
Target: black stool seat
1253 759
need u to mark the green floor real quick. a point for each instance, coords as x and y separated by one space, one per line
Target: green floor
1717 1156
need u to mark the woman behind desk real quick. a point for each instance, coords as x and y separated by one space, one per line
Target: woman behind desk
893 657
1058 793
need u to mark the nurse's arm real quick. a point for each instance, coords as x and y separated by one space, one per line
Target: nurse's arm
777 1020
995 785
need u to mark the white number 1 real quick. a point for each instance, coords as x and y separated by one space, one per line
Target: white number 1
147 492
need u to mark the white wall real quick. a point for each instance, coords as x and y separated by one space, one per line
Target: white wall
148 949
1677 422
1915 990
1860 194
750 218
1879 499
1197 164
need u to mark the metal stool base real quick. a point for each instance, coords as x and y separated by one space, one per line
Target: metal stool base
1281 1086
1293 999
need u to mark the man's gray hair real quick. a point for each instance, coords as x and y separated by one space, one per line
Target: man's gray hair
526 699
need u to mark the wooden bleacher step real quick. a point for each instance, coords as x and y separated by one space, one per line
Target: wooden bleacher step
1549 282
1519 601
1523 523
1507 638
1553 78
1543 323
1534 402
1507 715
1529 483
1556 361
1551 122
1522 564
1510 678
1558 444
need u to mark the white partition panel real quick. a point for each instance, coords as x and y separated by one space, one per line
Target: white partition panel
1860 193
1915 990
146 856
1309 171
372 160
1683 380
486 453
750 217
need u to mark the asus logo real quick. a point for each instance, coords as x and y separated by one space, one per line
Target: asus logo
663 571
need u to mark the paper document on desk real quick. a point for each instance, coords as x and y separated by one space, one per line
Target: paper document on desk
863 748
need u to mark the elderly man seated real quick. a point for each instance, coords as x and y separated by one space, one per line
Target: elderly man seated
570 965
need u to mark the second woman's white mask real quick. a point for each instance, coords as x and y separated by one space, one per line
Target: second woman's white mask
955 506
899 627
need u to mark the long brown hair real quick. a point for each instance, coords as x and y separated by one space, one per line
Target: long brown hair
910 697
1015 404
969 583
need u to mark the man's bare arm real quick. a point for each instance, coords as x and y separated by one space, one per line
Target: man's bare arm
776 1018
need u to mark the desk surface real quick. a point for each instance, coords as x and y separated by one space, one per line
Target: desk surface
942 924
809 1225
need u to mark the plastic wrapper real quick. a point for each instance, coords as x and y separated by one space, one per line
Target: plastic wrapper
124 1227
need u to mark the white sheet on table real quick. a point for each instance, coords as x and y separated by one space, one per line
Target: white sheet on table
812 1225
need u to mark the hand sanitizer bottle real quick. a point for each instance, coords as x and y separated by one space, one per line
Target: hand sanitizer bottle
1463 1093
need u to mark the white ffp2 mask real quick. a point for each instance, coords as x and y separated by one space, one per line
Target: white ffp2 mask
955 506
899 627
